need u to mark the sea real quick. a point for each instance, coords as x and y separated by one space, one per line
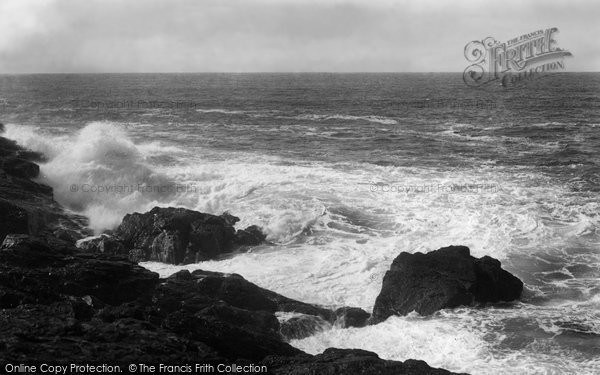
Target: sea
344 172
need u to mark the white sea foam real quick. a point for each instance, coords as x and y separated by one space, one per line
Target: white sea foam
220 110
98 171
466 340
319 117
311 117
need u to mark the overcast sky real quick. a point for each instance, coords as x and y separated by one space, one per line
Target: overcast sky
49 36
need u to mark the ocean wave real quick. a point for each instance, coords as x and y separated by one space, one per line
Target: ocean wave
369 118
310 117
222 111
99 172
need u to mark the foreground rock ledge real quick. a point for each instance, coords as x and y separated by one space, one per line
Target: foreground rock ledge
445 278
59 305
347 361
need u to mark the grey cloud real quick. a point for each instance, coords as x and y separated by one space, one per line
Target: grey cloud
260 35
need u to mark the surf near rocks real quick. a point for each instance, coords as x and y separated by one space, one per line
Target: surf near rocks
28 207
80 306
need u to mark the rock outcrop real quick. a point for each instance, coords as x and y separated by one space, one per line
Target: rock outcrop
34 272
445 278
27 207
104 244
351 317
175 235
236 291
302 326
86 300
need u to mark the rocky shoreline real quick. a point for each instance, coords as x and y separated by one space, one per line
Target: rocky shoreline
66 297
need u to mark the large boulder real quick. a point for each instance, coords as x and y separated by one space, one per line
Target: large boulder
445 278
181 236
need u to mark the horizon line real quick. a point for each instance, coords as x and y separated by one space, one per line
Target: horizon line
267 72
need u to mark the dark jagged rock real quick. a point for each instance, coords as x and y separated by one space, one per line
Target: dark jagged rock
38 273
10 149
26 217
346 361
19 167
174 235
102 244
229 218
88 298
13 219
62 336
236 291
68 235
181 236
239 292
250 236
299 327
351 317
27 207
445 278
231 331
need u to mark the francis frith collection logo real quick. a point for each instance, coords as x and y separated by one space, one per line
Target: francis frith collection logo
520 59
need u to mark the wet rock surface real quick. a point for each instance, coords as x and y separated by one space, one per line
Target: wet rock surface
444 278
176 236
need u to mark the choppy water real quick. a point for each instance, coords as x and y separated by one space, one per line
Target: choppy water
345 171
